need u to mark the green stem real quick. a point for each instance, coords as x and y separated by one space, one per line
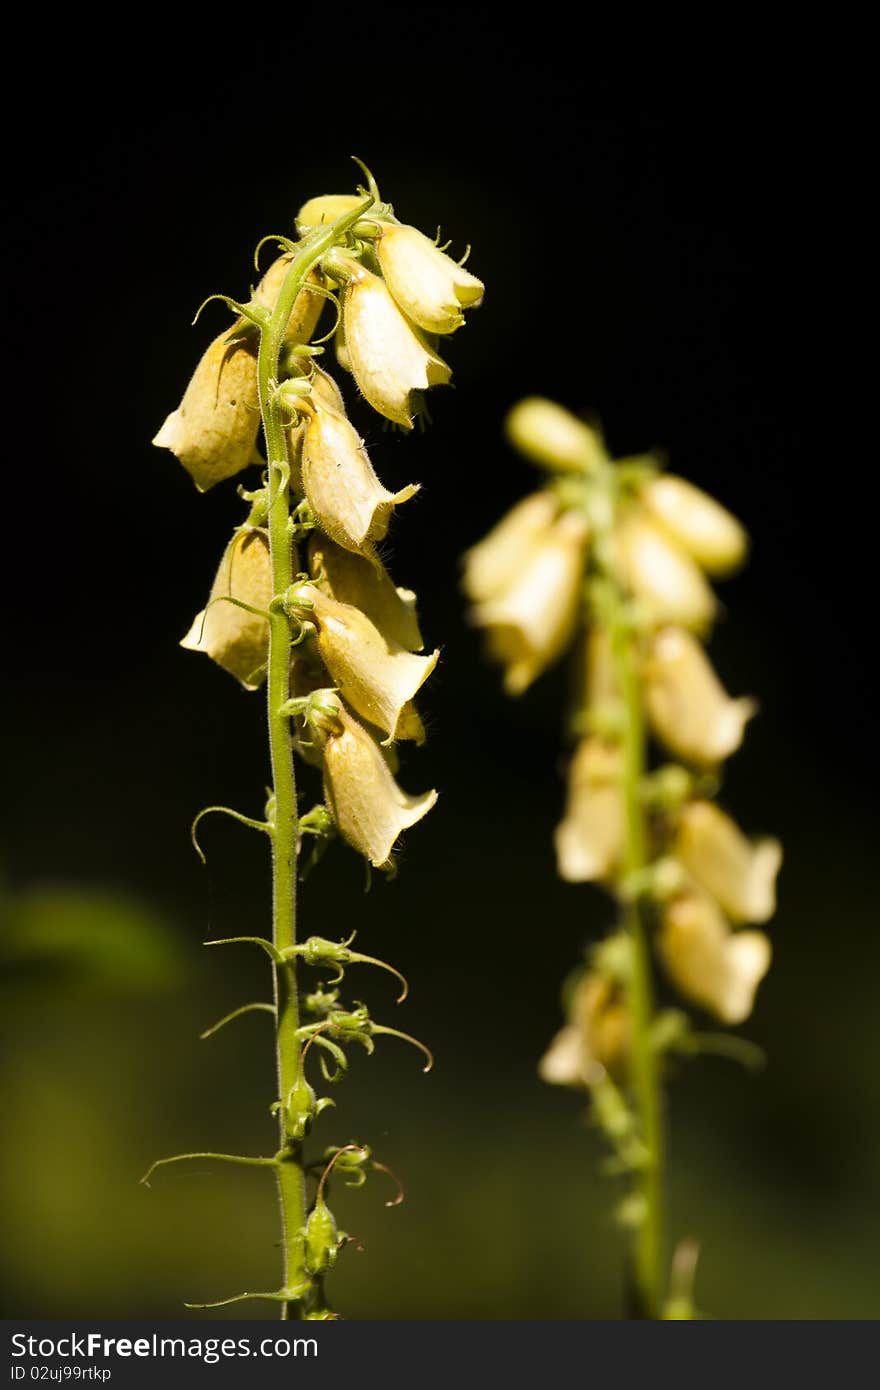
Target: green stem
646 1082
285 830
646 1079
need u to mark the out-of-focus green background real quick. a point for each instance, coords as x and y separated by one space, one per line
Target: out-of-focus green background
662 272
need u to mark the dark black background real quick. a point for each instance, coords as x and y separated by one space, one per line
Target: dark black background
672 272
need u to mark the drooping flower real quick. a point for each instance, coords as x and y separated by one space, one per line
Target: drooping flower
739 873
430 287
531 623
596 1038
389 357
589 840
376 676
552 436
213 432
366 585
687 706
711 964
233 637
492 566
709 533
342 489
665 579
369 808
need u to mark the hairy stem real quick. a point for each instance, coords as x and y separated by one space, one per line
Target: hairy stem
285 829
649 1253
646 1079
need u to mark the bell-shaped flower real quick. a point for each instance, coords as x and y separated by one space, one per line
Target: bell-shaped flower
687 706
663 577
389 357
715 967
366 584
492 566
532 623
368 806
709 533
376 676
589 840
595 1040
213 432
342 489
430 287
550 435
739 873
235 638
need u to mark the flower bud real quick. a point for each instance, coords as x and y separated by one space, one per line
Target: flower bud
429 286
321 1238
366 585
550 435
700 525
213 432
531 624
377 677
595 1040
493 565
739 874
686 704
368 806
342 489
589 841
236 639
320 211
666 580
712 965
388 356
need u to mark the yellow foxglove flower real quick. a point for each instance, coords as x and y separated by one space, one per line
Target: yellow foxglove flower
531 624
739 874
661 575
213 432
709 533
366 585
375 675
389 357
430 287
594 1041
552 436
589 841
318 212
368 806
236 639
712 965
342 489
687 706
492 566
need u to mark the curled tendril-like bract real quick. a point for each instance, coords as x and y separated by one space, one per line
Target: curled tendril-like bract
280 240
381 1028
256 1007
243 1160
249 821
255 313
